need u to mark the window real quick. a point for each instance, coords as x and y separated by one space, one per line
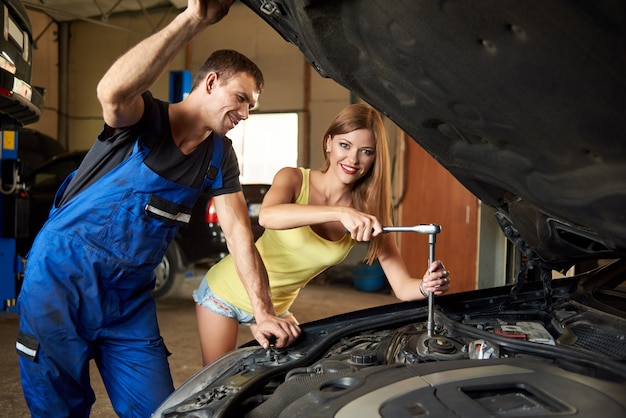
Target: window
265 143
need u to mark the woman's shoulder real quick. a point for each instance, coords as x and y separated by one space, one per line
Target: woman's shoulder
290 177
288 173
294 173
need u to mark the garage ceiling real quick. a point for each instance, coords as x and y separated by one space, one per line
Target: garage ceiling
99 11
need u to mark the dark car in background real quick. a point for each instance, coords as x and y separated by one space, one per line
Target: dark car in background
201 243
20 103
34 149
40 186
524 103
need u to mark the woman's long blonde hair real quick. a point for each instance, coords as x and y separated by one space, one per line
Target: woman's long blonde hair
372 192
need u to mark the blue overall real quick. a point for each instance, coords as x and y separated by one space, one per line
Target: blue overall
87 296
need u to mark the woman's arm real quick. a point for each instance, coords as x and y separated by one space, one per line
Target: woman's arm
404 286
279 210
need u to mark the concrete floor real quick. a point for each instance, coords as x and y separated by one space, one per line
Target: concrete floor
321 298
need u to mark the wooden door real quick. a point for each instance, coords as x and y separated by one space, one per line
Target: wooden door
434 196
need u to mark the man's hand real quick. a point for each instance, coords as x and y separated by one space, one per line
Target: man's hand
284 331
119 91
209 11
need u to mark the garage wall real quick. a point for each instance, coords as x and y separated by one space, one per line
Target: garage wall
46 71
289 84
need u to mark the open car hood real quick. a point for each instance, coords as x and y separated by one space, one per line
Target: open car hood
524 103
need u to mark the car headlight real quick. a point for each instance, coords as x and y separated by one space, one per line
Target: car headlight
204 378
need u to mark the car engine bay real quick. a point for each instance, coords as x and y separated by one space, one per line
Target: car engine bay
490 355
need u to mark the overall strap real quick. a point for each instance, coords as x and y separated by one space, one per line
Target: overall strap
214 171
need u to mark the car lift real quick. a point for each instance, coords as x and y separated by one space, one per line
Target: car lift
14 221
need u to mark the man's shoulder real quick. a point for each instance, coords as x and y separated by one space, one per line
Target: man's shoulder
227 141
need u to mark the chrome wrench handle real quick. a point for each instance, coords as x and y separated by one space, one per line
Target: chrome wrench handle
432 230
420 229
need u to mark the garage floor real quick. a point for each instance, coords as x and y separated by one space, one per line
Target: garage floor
322 298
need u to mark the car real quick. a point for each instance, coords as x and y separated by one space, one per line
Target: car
523 103
20 102
34 149
200 243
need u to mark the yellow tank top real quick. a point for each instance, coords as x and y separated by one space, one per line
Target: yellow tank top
292 258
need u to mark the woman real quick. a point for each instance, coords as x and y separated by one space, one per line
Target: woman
313 218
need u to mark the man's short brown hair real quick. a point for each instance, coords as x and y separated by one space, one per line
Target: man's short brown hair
226 63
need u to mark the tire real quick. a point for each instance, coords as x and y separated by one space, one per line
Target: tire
168 279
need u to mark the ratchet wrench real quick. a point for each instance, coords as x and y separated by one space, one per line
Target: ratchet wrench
432 230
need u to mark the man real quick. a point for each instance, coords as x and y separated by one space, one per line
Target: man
86 292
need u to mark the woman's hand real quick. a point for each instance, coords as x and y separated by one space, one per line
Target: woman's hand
361 226
436 280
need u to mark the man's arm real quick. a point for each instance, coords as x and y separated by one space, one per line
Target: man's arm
119 91
232 212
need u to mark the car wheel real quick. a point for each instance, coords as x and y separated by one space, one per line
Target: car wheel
167 278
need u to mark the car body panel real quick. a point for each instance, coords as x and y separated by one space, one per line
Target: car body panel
523 103
20 102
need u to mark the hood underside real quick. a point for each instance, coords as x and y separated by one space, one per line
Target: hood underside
523 102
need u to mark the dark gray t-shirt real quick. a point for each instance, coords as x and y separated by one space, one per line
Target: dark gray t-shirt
164 157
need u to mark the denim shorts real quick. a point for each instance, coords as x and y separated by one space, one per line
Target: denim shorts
204 296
